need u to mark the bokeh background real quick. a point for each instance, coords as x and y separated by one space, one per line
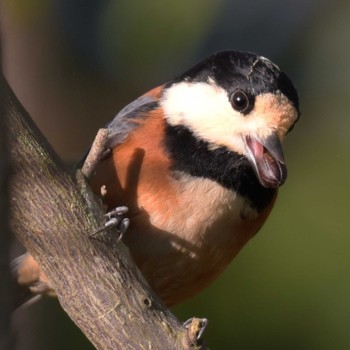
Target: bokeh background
74 64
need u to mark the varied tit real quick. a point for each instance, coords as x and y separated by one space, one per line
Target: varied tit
198 162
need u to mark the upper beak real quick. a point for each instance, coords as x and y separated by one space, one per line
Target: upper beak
274 147
267 159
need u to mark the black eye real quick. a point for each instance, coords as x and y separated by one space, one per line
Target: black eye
240 100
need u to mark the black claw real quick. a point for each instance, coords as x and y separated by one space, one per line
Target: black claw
123 227
204 326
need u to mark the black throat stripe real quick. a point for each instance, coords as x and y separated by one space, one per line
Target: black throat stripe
229 169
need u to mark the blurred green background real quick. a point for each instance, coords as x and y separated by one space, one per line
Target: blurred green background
74 64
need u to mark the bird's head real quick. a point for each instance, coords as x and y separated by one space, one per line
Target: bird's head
239 101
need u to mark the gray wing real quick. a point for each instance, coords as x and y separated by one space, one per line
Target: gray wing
125 122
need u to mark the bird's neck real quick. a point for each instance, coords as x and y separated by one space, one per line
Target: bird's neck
229 169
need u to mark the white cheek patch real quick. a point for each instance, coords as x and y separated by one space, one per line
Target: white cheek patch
204 108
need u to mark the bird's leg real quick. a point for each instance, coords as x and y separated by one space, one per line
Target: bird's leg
98 151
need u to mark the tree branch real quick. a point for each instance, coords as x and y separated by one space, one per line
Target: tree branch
96 281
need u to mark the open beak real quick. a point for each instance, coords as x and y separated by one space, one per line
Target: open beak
267 160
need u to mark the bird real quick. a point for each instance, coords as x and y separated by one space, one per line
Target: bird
198 162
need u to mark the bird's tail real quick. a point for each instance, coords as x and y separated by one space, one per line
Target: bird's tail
32 282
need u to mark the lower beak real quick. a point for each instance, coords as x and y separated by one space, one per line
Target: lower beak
267 159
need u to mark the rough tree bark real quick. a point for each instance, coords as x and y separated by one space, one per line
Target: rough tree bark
96 281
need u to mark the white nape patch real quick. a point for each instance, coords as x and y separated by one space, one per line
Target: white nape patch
205 109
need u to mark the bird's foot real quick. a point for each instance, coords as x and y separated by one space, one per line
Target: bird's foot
196 327
115 218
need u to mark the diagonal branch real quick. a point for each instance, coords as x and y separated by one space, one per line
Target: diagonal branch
96 281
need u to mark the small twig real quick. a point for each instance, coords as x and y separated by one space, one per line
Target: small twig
96 153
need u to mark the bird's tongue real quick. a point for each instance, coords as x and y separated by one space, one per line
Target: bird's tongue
268 162
256 147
